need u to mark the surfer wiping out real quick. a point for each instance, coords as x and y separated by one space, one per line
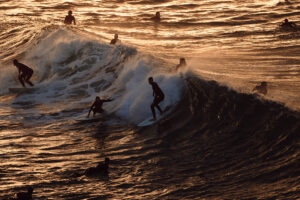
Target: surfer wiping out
158 97
25 73
97 106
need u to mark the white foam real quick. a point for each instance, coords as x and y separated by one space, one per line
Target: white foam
69 67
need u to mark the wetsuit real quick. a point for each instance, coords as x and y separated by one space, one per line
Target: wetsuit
69 19
97 106
25 73
158 97
114 41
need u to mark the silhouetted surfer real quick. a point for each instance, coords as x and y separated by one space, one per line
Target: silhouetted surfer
25 195
286 2
101 169
158 97
262 88
97 106
115 40
156 18
287 24
182 63
25 73
70 18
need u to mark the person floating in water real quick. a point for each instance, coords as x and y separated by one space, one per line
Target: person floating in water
158 97
287 24
182 63
25 195
101 169
156 18
115 40
97 106
262 88
70 18
25 73
286 2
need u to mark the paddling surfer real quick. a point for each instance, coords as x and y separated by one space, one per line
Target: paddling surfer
287 24
158 97
97 106
262 88
182 63
25 73
156 18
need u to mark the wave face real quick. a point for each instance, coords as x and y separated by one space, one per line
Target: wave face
229 145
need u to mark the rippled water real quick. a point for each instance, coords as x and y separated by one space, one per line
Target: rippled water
230 145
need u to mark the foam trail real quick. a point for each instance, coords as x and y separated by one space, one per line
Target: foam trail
73 69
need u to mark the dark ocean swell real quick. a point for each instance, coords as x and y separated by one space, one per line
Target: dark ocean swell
228 145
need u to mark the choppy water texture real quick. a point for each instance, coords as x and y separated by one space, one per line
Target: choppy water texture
218 140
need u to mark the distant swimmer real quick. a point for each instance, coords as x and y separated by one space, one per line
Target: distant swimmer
101 169
25 195
25 73
70 18
262 88
115 40
182 63
156 18
97 106
287 24
158 97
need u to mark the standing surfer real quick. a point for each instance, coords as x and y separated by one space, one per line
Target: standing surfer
158 97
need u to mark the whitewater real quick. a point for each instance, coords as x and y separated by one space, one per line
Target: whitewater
219 139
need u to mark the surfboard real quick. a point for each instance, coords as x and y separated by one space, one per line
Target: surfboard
21 90
90 119
149 121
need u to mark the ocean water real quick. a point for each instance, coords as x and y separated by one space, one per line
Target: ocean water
218 140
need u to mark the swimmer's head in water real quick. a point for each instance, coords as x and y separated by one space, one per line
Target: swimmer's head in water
150 79
70 12
182 61
264 83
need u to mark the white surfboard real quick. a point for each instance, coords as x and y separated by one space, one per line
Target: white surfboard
149 121
21 90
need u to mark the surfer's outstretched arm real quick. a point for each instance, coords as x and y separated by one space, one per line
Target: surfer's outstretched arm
107 100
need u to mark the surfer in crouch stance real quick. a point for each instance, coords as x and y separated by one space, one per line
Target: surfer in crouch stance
97 106
25 73
262 88
158 97
70 18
